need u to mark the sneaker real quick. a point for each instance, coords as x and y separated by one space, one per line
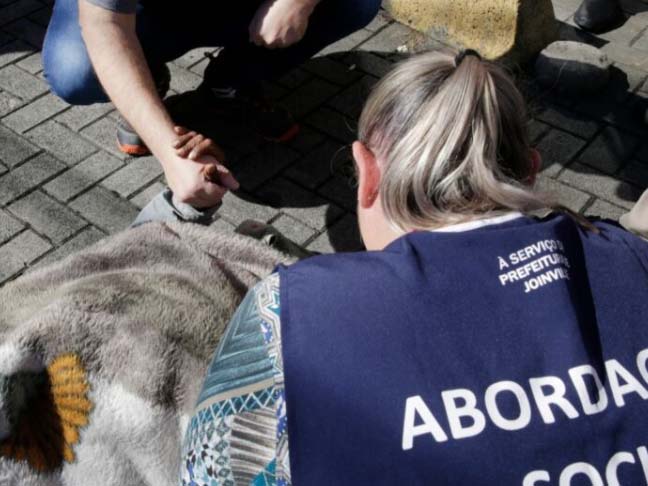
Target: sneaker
599 16
249 105
128 141
270 121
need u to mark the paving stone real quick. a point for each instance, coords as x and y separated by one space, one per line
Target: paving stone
620 53
631 7
381 20
79 117
334 124
565 8
5 38
333 71
263 165
299 203
105 209
636 25
569 121
34 113
21 83
82 176
14 51
42 17
9 226
317 166
369 63
537 130
28 31
32 64
307 140
634 77
388 39
343 236
20 252
144 197
352 100
183 80
348 43
17 10
598 184
104 134
84 239
47 216
200 67
193 57
292 229
137 174
629 31
573 68
237 208
636 172
558 149
609 150
342 191
610 103
14 149
62 142
567 196
308 96
29 175
604 209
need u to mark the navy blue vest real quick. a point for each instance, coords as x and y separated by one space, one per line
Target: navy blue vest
512 354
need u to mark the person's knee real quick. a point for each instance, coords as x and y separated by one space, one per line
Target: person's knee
70 75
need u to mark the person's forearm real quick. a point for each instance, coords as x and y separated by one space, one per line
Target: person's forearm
122 69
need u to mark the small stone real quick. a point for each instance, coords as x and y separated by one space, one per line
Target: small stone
573 67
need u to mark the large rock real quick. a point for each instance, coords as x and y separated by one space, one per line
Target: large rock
510 30
573 68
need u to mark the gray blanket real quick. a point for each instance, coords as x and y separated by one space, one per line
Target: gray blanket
102 355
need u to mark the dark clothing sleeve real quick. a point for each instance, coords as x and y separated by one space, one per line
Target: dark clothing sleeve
121 6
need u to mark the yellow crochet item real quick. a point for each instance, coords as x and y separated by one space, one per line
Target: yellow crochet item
48 428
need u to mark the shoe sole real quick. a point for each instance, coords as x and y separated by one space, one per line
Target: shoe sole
130 143
128 149
287 136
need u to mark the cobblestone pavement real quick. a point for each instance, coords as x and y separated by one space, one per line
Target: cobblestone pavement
63 184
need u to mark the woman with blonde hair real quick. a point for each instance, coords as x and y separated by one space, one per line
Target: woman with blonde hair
472 344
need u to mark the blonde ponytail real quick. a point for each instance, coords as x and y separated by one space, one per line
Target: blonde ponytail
451 135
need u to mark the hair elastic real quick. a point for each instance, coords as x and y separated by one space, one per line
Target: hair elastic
466 52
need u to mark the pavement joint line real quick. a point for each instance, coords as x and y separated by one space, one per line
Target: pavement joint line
41 188
29 158
145 187
590 202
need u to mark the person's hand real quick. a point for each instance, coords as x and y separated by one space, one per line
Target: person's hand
281 23
195 173
192 145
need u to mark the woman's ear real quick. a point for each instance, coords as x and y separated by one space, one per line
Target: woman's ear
536 165
368 174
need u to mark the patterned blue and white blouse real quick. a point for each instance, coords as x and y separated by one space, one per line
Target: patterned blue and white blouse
238 433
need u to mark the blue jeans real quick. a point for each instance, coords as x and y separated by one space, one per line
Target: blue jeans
166 32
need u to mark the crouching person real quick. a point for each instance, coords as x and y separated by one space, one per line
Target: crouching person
473 344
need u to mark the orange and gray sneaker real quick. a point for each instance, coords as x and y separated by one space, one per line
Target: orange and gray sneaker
128 141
